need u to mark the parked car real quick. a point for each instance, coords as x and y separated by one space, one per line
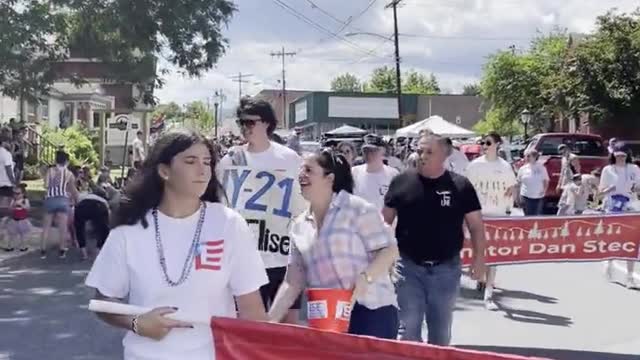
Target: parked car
590 149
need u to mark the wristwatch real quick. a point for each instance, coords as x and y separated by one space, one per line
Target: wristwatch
367 277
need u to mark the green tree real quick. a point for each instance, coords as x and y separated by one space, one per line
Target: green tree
346 83
513 82
31 40
126 35
76 141
605 66
471 89
198 117
495 121
383 79
170 112
417 83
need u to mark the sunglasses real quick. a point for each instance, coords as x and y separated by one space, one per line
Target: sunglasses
486 143
247 122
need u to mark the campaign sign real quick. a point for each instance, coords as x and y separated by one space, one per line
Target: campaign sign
579 238
268 200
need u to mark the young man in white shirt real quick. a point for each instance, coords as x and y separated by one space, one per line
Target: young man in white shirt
372 179
138 151
257 122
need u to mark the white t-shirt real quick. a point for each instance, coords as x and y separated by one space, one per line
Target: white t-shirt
275 158
228 265
5 160
531 178
138 150
491 179
623 178
372 186
457 162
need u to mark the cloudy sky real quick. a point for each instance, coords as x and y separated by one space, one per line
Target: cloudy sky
450 38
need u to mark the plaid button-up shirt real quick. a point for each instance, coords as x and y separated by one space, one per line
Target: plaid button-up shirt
352 233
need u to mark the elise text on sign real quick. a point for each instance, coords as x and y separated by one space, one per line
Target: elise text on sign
514 240
268 200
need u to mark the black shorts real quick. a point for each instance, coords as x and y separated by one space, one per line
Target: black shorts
269 290
6 191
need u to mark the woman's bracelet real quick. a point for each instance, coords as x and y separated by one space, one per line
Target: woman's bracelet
134 325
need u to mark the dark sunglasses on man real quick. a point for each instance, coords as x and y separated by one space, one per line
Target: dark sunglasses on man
248 121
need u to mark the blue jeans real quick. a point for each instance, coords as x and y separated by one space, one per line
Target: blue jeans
532 207
428 292
381 322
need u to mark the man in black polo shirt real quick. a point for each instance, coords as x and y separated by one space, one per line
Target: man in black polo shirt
432 204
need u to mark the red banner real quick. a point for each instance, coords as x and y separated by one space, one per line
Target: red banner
239 339
580 238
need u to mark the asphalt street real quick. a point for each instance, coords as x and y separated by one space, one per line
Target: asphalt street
559 311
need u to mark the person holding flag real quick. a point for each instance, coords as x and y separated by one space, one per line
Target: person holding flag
176 249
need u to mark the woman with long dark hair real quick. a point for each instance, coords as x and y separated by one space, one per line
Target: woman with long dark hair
175 248
341 242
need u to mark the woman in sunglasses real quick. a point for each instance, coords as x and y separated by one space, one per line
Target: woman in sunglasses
494 181
341 242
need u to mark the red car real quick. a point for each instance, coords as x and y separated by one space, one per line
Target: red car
590 149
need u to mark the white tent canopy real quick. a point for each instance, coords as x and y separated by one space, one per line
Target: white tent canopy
346 130
437 125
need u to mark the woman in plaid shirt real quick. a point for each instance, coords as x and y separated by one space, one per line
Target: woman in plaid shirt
353 249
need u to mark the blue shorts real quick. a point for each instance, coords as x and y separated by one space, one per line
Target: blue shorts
57 204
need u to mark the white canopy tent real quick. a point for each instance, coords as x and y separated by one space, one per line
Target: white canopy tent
346 130
437 125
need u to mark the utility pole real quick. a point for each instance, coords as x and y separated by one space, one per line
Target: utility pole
218 99
240 79
394 4
283 54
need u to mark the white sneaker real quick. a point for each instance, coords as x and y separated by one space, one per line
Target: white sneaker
490 305
631 283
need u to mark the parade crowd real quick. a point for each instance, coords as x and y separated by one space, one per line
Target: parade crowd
389 230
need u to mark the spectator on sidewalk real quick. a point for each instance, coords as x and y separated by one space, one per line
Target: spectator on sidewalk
92 208
19 226
431 205
60 185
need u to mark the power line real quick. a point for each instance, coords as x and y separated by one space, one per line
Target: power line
466 38
345 24
317 26
240 79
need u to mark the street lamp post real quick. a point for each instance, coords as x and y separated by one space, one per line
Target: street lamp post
525 117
